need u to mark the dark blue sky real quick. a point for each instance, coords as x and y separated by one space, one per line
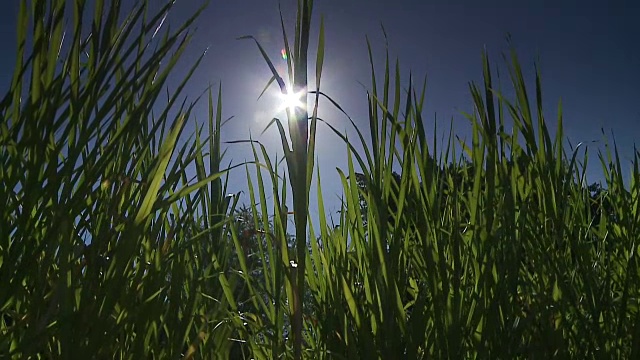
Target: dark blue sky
589 55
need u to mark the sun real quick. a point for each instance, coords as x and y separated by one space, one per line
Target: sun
292 100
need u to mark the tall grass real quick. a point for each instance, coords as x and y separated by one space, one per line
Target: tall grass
110 246
99 251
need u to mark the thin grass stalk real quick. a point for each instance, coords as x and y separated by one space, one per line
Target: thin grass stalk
299 159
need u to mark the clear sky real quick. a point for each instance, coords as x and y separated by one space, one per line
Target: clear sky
589 57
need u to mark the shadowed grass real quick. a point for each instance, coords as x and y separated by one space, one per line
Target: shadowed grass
99 250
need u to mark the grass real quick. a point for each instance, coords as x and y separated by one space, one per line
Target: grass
498 252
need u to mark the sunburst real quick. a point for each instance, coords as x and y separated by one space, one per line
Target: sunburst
292 100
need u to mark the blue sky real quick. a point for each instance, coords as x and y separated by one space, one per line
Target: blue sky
587 50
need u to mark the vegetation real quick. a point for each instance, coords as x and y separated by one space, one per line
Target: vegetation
498 252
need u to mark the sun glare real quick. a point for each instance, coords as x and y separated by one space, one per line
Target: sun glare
292 101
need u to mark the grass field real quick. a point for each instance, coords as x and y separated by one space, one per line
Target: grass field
110 248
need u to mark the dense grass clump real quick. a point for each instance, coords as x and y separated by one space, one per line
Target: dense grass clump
109 247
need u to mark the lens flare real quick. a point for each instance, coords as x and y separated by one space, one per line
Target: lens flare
284 54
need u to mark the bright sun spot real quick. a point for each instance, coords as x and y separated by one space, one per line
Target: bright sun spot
292 101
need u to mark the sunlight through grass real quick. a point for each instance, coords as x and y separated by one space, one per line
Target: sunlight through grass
110 246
